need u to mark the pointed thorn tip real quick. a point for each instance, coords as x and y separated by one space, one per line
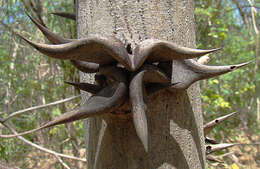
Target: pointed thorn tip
212 50
233 67
68 82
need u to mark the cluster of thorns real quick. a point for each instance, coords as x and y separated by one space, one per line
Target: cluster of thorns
124 76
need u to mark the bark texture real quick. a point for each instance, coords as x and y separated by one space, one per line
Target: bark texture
174 118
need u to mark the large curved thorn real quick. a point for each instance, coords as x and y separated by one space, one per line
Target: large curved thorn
52 37
56 39
154 74
153 50
65 15
139 108
106 101
96 49
137 99
85 67
210 125
91 88
193 71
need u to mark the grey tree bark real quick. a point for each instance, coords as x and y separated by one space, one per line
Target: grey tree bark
174 118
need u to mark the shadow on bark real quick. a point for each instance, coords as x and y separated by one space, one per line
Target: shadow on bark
165 137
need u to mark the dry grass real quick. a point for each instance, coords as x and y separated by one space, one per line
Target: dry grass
41 160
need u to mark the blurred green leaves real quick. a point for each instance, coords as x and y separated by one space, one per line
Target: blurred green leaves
28 78
220 24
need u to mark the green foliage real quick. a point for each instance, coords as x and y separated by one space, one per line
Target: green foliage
219 24
28 78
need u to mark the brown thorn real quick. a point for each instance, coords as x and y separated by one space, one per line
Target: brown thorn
153 74
210 140
222 146
86 67
52 37
91 88
139 108
195 71
56 39
148 74
65 15
153 50
107 50
213 159
210 125
107 100
217 147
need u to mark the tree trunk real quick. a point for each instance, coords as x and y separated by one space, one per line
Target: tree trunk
174 118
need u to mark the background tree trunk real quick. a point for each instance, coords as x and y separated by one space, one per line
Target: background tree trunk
174 118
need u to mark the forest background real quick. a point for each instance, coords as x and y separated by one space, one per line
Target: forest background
29 79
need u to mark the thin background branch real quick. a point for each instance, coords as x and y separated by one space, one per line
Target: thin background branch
42 148
39 107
